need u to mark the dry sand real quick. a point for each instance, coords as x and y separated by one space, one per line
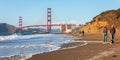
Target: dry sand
91 49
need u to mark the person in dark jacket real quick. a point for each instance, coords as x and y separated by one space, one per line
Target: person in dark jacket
112 33
83 33
105 31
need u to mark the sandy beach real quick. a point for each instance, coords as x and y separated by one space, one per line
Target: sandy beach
91 47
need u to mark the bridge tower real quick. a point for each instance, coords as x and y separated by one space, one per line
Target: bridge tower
20 24
48 25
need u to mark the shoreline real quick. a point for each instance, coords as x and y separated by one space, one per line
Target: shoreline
87 48
67 53
94 49
64 47
23 57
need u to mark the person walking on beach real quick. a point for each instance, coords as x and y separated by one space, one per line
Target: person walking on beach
112 33
80 33
83 33
105 31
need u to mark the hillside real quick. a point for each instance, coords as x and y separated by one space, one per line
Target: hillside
106 18
6 29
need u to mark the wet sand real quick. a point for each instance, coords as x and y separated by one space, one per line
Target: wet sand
91 49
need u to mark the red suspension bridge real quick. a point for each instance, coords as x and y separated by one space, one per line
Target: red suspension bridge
64 28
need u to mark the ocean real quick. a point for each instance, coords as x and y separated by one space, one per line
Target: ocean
32 44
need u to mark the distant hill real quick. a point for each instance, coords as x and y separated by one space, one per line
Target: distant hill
7 29
106 18
29 31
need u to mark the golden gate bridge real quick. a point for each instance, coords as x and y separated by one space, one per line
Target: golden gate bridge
64 28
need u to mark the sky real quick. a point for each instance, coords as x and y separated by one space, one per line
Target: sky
63 11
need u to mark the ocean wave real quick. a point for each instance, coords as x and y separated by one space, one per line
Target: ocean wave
32 44
19 37
46 44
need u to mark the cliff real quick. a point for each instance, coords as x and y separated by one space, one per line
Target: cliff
106 18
